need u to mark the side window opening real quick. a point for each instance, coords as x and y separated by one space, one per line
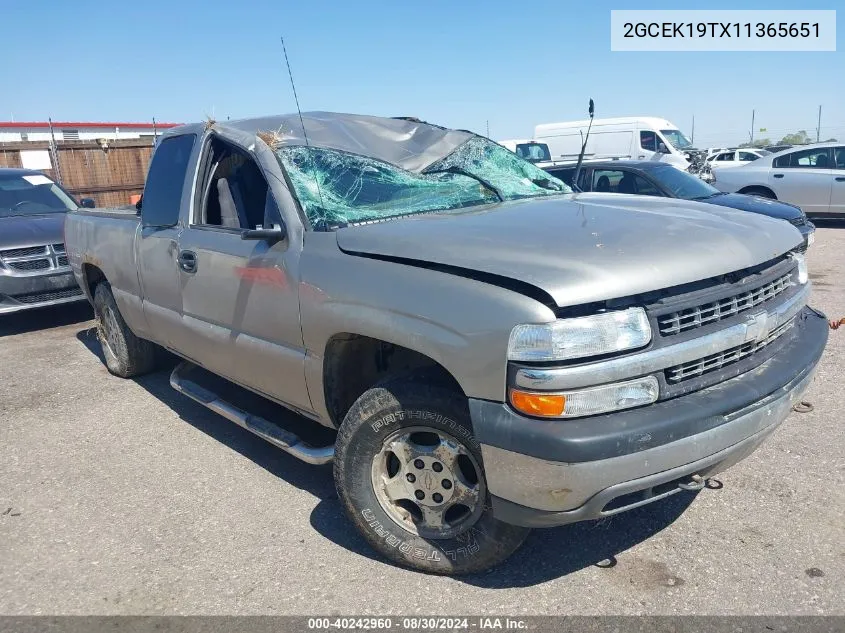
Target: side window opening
607 181
236 193
648 141
645 187
817 157
163 189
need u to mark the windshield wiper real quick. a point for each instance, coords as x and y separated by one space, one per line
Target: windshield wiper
454 169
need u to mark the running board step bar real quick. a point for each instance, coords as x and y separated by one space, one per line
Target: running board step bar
264 429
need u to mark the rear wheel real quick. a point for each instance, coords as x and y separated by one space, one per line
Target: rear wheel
409 473
126 355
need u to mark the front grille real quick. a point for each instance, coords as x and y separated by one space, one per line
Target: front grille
35 258
700 315
715 362
32 264
55 295
23 252
797 221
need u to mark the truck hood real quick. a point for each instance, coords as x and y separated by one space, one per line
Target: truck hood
19 231
583 247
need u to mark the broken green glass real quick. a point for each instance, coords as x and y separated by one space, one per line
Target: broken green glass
510 175
337 188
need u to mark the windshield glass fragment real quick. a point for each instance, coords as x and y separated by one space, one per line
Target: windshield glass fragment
337 188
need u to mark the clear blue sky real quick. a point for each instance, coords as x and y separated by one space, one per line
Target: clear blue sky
457 63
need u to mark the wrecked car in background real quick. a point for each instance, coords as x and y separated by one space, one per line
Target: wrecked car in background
495 352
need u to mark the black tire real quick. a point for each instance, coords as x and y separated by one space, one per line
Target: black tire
378 415
126 355
760 192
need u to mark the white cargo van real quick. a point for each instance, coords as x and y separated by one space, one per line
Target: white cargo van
639 138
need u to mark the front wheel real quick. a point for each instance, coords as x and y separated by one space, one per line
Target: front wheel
408 471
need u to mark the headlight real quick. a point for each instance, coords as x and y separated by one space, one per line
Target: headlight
803 274
592 401
580 336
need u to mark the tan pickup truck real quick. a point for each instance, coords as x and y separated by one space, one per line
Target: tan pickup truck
495 351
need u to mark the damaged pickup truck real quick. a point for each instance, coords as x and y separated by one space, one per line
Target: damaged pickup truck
495 352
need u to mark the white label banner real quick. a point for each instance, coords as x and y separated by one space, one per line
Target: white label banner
723 30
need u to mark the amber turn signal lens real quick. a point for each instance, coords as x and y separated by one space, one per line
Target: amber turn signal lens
540 404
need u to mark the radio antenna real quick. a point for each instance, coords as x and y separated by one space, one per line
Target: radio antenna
302 123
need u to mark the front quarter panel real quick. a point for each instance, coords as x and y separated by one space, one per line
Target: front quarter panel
461 323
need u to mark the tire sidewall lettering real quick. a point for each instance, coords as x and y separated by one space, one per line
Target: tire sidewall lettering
390 419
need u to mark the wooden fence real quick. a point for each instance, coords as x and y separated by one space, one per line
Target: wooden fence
110 175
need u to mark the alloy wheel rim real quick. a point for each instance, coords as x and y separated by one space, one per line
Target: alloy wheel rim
428 483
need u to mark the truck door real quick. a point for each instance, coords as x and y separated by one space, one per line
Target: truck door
240 302
169 180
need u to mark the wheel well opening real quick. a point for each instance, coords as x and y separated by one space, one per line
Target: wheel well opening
757 189
353 363
92 276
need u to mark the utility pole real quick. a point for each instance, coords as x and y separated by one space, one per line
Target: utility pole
752 127
692 140
819 127
488 128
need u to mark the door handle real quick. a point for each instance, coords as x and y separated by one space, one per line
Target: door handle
840 179
778 175
187 261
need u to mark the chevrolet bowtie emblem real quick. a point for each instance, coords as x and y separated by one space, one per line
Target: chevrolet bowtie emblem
758 326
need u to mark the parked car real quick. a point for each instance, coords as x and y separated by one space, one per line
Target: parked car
647 178
735 158
648 138
811 176
34 269
495 352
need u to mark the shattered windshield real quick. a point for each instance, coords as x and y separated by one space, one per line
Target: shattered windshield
511 176
337 188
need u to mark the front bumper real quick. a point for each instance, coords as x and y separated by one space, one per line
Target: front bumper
553 472
22 292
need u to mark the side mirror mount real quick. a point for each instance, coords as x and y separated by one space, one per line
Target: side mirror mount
275 233
140 203
87 203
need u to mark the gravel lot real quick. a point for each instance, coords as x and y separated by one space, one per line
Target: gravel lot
127 498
